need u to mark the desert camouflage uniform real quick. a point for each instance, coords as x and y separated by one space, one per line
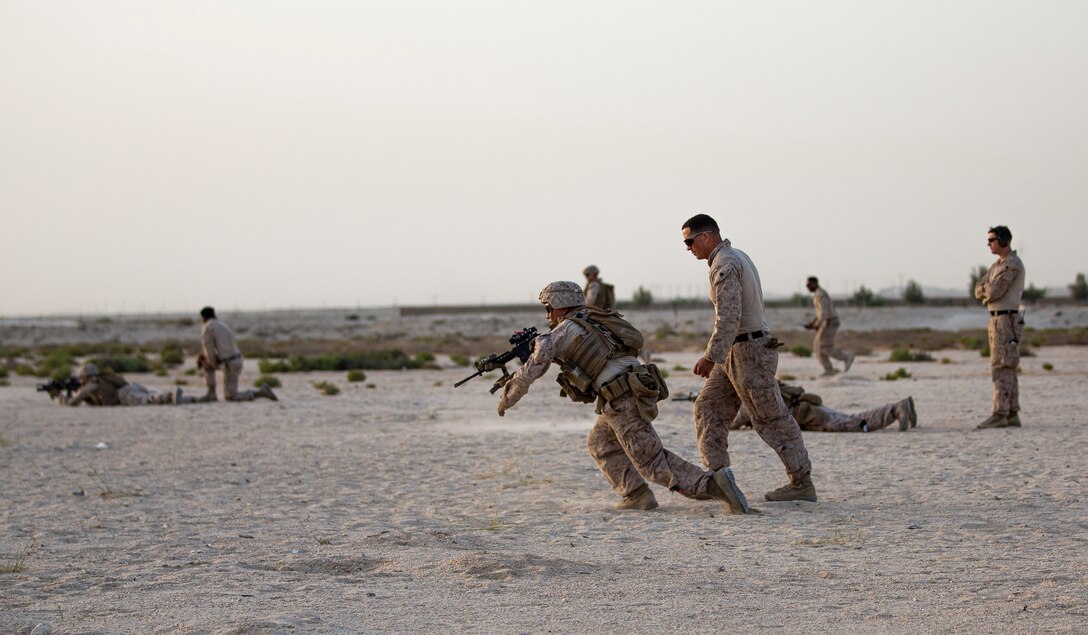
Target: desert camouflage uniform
220 347
109 389
623 442
1002 289
744 372
813 416
826 323
595 294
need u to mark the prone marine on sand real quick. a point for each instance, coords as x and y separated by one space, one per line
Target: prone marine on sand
597 352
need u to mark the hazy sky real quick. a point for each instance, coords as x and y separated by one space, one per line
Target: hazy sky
167 155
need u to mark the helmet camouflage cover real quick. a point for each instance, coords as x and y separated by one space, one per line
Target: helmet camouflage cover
590 270
563 294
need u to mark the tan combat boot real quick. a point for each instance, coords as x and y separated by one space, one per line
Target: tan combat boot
849 362
995 421
642 499
802 490
904 412
267 393
723 487
1014 419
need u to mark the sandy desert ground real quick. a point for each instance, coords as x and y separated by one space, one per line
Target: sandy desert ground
405 505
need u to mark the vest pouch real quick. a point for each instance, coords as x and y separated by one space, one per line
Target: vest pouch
659 379
573 386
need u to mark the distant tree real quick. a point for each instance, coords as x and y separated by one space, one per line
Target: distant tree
1079 289
1032 295
642 297
912 293
800 299
865 297
976 275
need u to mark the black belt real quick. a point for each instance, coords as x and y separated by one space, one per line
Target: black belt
1005 312
231 358
754 335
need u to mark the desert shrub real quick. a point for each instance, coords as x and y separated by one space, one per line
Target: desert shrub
460 360
1032 295
190 371
267 380
865 297
160 372
664 373
4 381
3 372
356 375
24 370
663 331
326 388
900 373
180 382
786 377
1079 288
1026 352
907 355
642 297
801 351
680 368
56 365
945 360
172 355
123 363
800 299
912 293
984 351
972 343
1048 366
368 360
423 358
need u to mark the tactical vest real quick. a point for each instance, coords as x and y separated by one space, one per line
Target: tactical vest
607 336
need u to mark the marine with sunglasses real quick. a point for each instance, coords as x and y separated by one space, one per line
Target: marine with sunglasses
739 364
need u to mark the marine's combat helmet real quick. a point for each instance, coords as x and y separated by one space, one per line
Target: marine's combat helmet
88 370
562 294
590 270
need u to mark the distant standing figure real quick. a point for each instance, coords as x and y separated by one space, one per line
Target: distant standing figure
1001 290
100 388
813 416
826 322
599 294
739 364
219 348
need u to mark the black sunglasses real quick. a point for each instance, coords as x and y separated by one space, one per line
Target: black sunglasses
690 240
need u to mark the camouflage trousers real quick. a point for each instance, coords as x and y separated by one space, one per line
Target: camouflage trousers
628 452
232 371
835 421
137 395
747 378
824 344
1005 332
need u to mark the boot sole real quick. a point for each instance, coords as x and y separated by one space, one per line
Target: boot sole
735 500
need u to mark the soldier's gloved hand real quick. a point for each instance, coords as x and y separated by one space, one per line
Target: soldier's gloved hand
201 361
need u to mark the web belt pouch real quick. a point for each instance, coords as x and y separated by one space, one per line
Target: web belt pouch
616 387
646 390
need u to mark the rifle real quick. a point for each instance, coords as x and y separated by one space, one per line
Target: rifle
54 387
687 396
522 342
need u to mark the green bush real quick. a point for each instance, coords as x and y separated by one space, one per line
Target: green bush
180 382
423 358
801 351
865 297
900 373
680 368
1079 288
984 352
1048 366
460 360
368 360
663 331
123 363
172 355
907 355
326 388
267 380
356 375
1032 295
912 293
190 371
3 372
160 372
945 360
56 365
25 370
642 297
972 343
